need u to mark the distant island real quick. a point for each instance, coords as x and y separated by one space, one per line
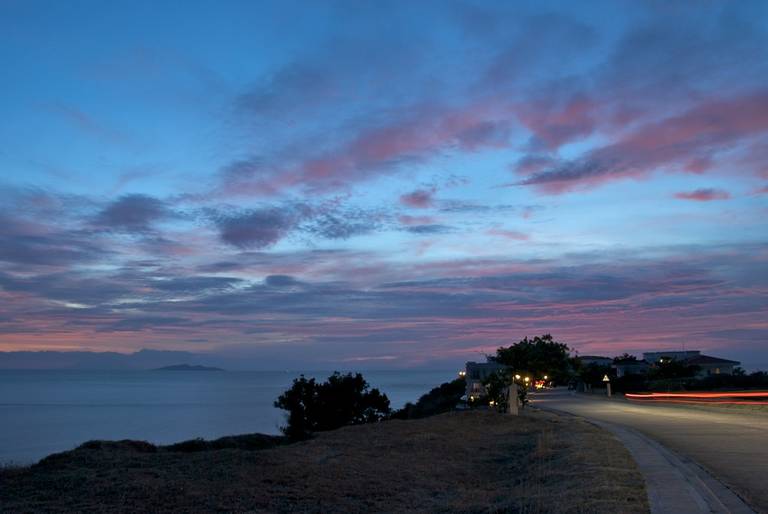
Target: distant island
187 367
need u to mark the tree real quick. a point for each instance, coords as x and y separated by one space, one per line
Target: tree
341 400
593 374
667 368
496 385
624 358
539 356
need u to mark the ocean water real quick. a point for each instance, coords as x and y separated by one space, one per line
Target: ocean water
47 411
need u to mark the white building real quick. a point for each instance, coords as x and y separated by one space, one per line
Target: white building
475 373
654 357
597 360
707 364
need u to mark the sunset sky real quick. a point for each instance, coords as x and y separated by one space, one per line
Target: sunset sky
384 184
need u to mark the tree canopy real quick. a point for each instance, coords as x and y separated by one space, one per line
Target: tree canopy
539 356
625 358
672 368
339 401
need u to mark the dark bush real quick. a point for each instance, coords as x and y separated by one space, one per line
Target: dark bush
630 383
240 442
669 369
189 446
341 400
125 444
440 399
650 382
593 374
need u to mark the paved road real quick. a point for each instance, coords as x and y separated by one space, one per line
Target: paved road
732 446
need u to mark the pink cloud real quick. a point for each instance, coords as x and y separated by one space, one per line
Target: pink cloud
418 199
508 234
704 195
422 133
699 165
416 220
556 123
686 142
528 212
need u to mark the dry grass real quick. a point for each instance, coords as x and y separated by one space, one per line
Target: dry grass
578 468
457 462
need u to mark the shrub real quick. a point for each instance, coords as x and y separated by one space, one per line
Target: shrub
125 444
440 399
593 374
239 442
629 383
497 383
341 400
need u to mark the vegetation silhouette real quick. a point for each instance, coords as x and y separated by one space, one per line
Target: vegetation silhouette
341 400
438 400
539 356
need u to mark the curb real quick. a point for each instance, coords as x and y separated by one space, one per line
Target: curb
674 484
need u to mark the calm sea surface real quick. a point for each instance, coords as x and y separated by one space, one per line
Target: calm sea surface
43 412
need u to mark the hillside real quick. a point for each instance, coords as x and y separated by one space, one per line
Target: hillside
466 461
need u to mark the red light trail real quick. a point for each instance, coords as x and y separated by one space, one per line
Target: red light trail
726 398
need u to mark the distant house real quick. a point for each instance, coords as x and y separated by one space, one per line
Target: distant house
707 364
654 357
475 373
625 367
597 360
712 365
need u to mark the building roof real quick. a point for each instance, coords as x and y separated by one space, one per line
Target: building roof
485 365
630 362
706 359
593 357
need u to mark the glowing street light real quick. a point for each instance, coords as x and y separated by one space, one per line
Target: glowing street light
517 377
527 379
546 377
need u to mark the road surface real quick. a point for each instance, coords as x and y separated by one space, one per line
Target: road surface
732 446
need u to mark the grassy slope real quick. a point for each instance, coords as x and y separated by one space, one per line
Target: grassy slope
468 461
